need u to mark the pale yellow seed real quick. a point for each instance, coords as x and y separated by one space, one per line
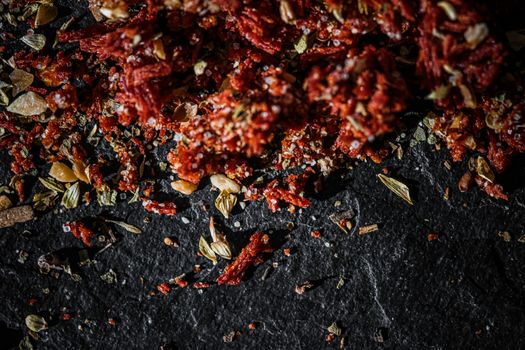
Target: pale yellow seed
224 183
168 241
184 187
79 169
61 172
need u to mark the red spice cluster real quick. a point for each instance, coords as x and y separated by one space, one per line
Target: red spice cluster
80 230
243 84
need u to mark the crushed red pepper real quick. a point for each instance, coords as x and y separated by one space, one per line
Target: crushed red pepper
235 86
80 230
304 83
249 256
164 288
161 208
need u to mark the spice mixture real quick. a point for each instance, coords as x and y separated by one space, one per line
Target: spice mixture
233 87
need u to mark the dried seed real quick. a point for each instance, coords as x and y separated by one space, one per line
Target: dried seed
494 121
170 242
334 329
483 169
44 201
79 169
25 344
106 197
28 104
5 202
303 287
136 196
228 338
474 35
224 183
158 49
505 235
338 14
302 44
71 197
465 181
340 283
46 14
362 7
219 243
399 188
200 67
12 216
468 98
61 172
286 12
446 193
206 251
449 10
368 229
52 184
222 249
225 203
109 277
126 226
36 323
34 41
184 187
4 99
21 80
119 11
439 93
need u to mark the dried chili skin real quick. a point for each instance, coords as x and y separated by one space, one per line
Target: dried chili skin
81 231
164 288
249 256
161 208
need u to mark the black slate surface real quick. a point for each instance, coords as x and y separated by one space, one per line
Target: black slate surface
462 291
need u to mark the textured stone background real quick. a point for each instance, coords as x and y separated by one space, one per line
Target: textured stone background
463 291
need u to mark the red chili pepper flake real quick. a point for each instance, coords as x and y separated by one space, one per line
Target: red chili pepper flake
287 251
252 326
432 237
164 288
19 185
80 230
181 282
112 322
161 208
315 234
330 337
201 285
32 301
249 256
66 317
